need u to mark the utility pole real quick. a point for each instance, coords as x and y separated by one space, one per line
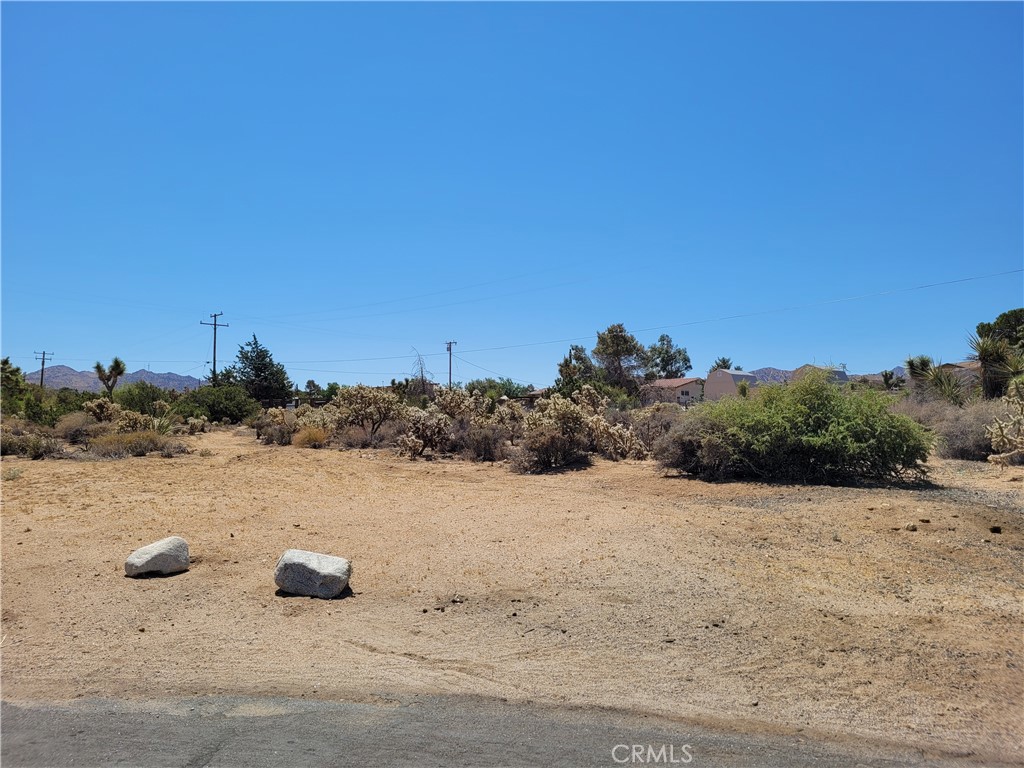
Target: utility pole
450 343
43 369
213 378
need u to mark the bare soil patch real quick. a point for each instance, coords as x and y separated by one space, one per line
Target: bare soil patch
749 605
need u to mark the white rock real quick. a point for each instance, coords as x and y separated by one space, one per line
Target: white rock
166 556
299 572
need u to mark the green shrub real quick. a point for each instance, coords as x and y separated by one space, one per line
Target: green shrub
123 444
810 431
143 397
225 401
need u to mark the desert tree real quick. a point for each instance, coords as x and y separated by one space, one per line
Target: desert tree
256 372
723 364
108 376
1009 326
667 361
621 357
575 370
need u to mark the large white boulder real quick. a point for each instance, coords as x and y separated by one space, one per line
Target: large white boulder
299 572
166 556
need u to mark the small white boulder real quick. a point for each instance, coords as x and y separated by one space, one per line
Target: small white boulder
299 572
166 556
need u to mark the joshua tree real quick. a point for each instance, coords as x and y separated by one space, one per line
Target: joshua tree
108 376
993 354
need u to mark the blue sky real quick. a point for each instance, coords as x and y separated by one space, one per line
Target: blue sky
356 182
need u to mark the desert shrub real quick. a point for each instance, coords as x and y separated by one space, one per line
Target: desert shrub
652 423
276 434
225 401
810 431
102 409
31 445
960 431
545 446
488 442
79 428
310 437
131 421
563 431
123 444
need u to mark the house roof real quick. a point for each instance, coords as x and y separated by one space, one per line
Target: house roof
673 383
735 374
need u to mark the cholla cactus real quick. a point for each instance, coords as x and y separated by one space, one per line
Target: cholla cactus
278 416
326 418
590 400
615 441
194 426
410 445
1007 434
510 417
458 403
368 407
133 421
431 427
102 409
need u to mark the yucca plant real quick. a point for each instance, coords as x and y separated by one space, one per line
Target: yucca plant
993 354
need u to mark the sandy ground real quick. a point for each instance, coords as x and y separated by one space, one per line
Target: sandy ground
743 605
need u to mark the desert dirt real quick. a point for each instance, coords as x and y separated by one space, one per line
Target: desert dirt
743 605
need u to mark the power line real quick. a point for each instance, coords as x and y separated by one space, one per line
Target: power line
488 370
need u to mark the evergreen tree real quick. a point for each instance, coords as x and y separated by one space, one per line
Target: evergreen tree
257 373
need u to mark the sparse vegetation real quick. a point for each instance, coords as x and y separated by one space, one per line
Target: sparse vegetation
310 437
121 445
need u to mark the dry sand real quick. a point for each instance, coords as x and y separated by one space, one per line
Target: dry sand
744 605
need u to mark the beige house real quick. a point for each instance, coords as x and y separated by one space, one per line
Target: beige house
682 391
721 383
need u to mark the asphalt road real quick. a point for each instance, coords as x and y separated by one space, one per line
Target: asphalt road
408 731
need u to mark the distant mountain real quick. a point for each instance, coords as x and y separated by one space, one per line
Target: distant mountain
777 375
58 376
772 375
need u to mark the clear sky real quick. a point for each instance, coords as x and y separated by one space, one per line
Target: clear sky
355 181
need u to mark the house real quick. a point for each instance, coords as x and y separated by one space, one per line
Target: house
682 391
722 382
967 372
834 374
